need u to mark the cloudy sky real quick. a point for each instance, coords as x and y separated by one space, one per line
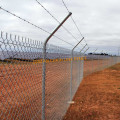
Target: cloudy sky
98 20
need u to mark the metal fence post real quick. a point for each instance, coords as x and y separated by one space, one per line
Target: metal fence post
82 66
93 60
101 60
72 71
71 77
79 63
44 65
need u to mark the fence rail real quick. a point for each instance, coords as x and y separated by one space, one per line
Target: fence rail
21 77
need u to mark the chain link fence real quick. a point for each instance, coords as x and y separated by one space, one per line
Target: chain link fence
21 77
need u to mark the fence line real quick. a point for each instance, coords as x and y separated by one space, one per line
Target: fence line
39 80
21 79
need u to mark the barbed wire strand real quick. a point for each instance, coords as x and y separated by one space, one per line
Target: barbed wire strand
56 20
33 25
73 19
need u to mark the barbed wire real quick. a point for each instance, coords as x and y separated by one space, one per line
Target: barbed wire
56 20
33 25
73 19
24 20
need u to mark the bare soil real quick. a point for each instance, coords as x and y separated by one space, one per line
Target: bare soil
21 88
98 97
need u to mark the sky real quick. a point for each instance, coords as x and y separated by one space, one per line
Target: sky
98 21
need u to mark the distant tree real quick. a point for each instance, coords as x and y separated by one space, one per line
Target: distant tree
90 53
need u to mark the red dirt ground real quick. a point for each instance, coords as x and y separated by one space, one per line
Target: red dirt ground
21 88
98 97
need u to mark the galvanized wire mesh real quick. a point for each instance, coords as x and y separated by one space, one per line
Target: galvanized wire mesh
96 63
57 83
21 77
